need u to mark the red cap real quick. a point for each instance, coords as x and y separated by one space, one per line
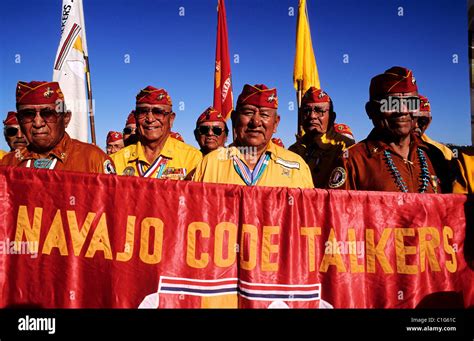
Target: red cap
424 104
176 136
152 95
344 129
11 119
278 142
315 95
210 115
131 118
38 92
113 136
395 79
259 95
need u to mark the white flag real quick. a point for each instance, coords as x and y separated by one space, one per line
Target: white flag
70 67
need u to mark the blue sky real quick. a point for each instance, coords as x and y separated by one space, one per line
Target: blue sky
177 53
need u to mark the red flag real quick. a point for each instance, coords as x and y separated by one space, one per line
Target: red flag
223 101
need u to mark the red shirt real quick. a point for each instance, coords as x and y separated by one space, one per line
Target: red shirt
366 167
68 155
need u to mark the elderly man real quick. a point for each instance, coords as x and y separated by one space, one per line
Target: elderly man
422 122
114 142
253 159
211 130
43 119
321 145
12 132
156 154
392 158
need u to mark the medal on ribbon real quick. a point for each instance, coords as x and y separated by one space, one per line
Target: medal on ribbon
158 165
248 176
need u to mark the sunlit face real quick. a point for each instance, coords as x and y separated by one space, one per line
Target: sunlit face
42 125
394 119
154 121
14 137
254 126
316 117
211 135
113 147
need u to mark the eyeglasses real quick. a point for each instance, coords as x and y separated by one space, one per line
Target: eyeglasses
11 131
28 115
318 111
409 104
204 130
157 112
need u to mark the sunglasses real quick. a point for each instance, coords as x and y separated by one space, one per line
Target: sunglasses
28 115
11 131
157 112
128 131
204 130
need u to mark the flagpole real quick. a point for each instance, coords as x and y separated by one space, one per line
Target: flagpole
89 97
299 129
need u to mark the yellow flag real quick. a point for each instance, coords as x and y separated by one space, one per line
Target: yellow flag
305 64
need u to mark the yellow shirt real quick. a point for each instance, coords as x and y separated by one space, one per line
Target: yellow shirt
464 182
181 159
448 154
2 153
284 169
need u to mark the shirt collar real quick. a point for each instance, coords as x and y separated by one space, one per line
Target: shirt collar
325 141
375 144
59 151
271 148
166 151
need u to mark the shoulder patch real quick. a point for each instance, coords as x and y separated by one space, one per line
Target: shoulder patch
108 168
337 177
288 164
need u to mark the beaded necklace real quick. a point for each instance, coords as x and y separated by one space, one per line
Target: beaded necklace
424 176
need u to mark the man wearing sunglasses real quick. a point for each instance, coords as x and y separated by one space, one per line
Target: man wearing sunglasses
43 119
422 122
253 159
156 154
321 145
129 132
393 158
211 130
12 132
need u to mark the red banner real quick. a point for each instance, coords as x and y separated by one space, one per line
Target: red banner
84 240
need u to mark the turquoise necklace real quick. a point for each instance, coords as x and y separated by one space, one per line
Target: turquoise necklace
424 176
